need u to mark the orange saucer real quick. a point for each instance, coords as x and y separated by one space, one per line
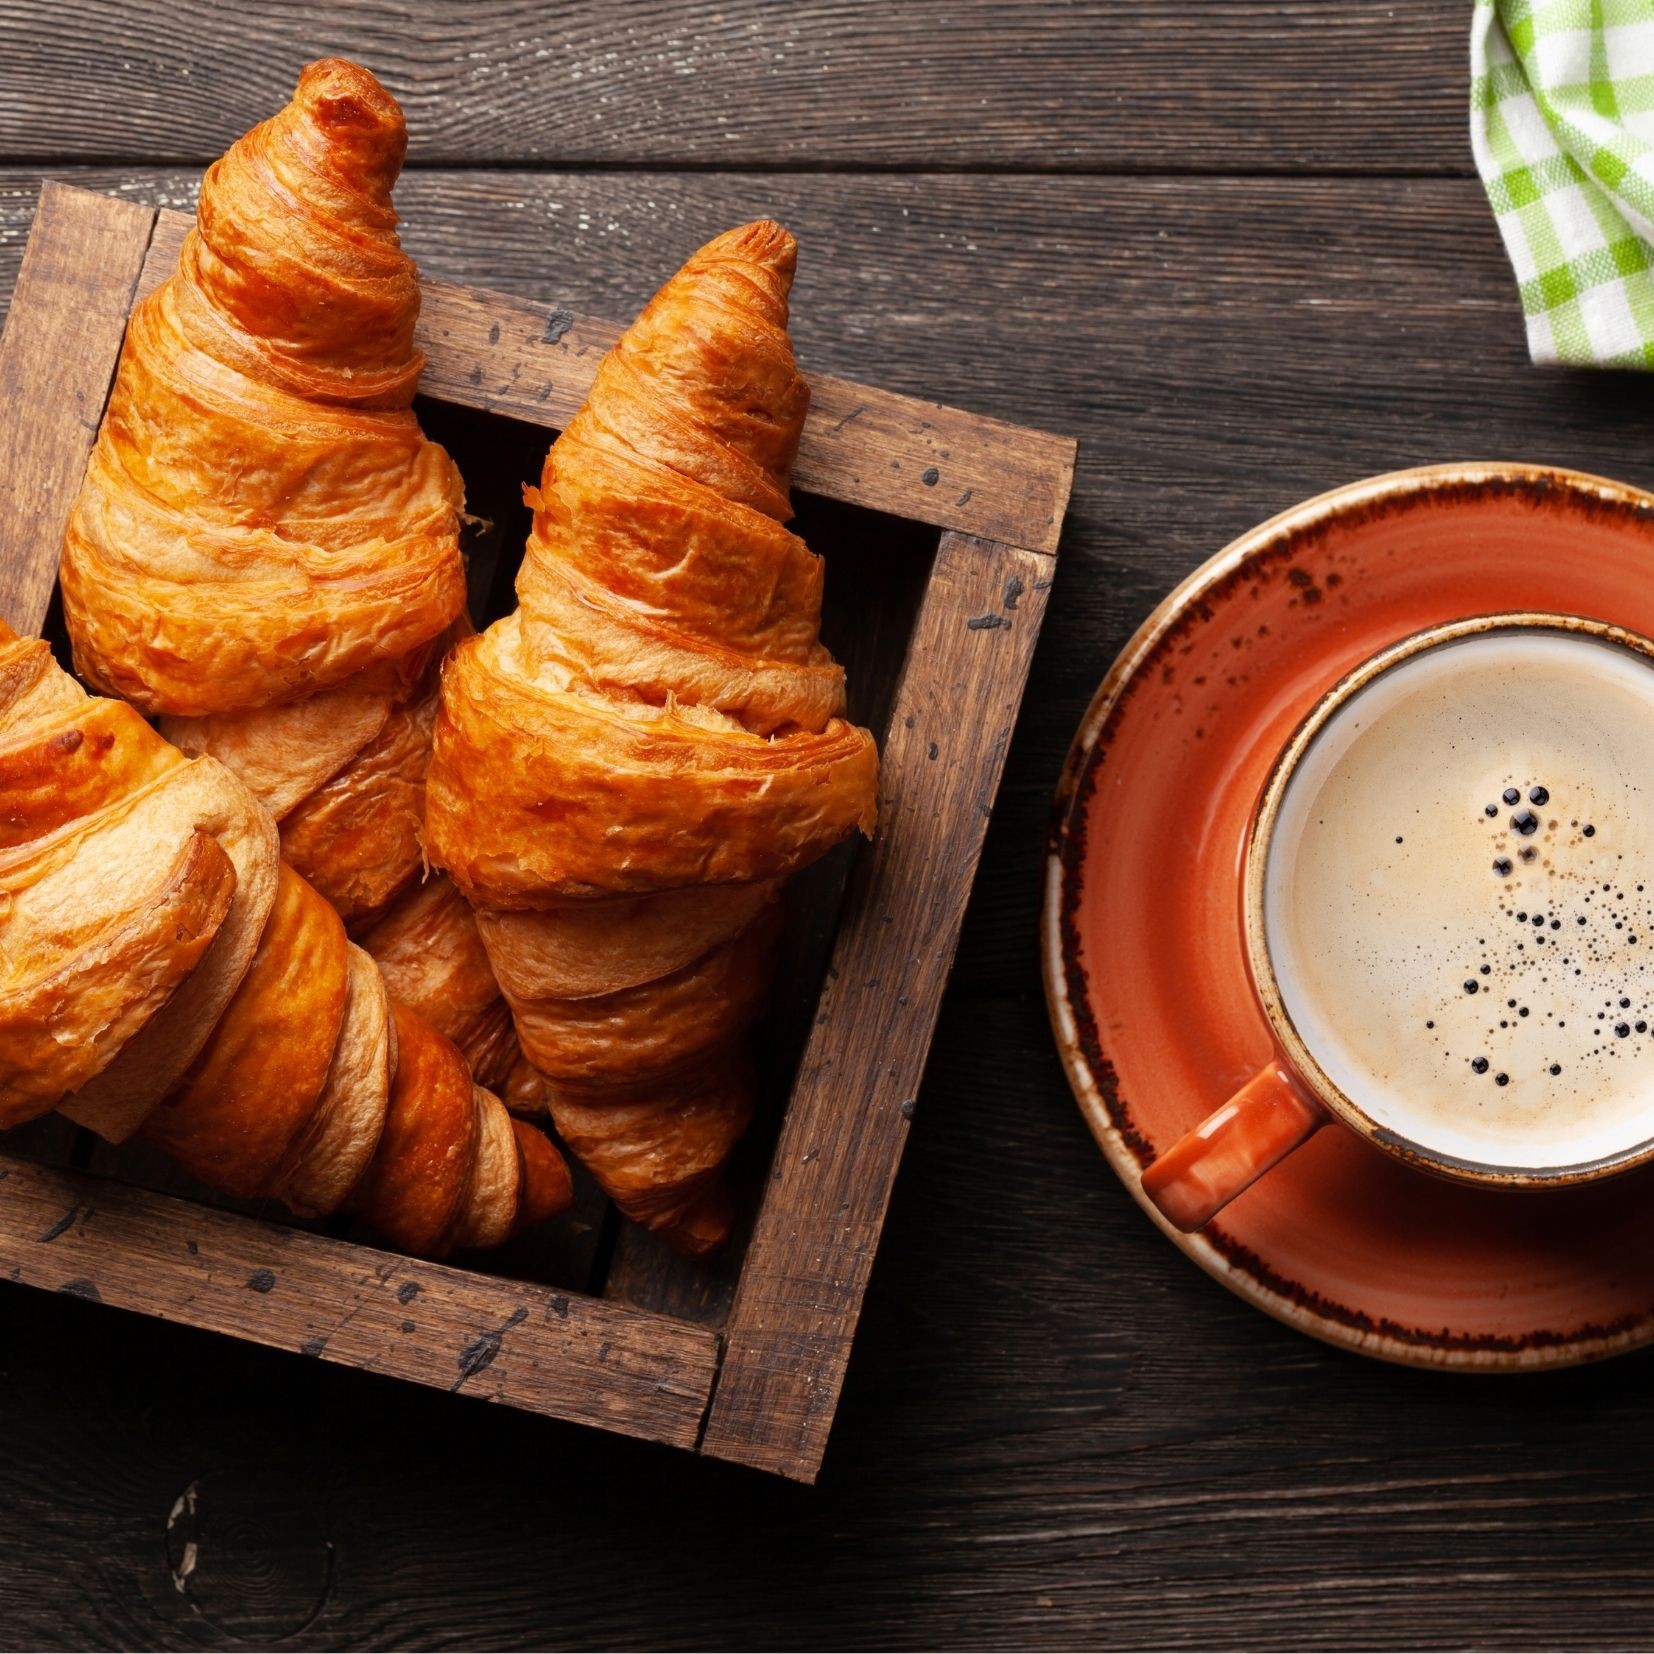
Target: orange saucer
1144 956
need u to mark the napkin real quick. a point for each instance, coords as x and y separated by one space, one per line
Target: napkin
1562 123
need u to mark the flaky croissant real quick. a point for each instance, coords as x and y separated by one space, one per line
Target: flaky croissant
163 971
627 768
431 955
265 551
266 547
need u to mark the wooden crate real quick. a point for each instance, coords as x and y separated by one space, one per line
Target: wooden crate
594 1321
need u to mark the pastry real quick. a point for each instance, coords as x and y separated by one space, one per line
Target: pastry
265 553
627 768
163 971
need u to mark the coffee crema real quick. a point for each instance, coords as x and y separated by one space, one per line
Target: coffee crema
1459 899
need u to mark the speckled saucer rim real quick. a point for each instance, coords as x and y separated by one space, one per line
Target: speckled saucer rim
1244 1274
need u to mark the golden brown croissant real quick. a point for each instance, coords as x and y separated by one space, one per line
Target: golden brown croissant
432 957
162 970
628 767
266 549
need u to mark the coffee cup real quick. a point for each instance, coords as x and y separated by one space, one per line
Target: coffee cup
1448 905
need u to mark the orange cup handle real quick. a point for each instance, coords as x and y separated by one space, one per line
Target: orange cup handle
1231 1148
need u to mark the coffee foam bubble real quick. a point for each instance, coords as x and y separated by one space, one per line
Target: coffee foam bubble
1459 899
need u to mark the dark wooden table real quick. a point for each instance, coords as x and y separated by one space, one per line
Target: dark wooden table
1237 249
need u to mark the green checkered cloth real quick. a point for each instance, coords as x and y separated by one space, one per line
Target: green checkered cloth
1562 122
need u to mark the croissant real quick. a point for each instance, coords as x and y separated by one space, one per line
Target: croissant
266 548
431 954
163 971
627 768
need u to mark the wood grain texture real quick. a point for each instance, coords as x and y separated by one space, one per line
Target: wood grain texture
1223 348
514 1343
73 290
1228 85
1055 1431
1161 1468
799 1295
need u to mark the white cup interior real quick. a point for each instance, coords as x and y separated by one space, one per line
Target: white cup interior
1412 969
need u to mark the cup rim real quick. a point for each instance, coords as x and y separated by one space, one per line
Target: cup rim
1291 1046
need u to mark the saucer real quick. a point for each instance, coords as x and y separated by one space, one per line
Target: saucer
1144 955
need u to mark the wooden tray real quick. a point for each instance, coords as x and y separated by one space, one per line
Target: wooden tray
594 1321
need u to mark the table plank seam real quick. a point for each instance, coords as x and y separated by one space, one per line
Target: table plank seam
551 167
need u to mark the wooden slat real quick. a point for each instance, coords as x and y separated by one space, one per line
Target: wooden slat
57 360
171 226
511 1342
1042 85
645 1272
795 1311
869 447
